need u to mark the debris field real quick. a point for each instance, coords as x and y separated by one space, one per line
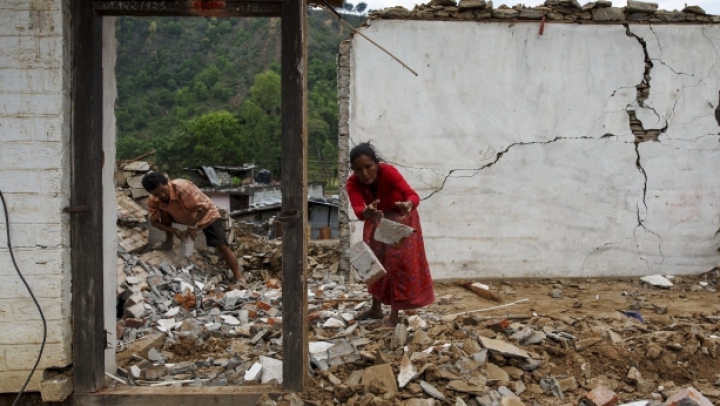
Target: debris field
184 324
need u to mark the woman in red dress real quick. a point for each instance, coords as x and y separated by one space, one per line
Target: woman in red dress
376 189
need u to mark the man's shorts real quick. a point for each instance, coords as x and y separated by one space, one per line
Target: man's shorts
215 235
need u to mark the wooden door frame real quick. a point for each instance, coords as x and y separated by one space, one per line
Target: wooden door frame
86 231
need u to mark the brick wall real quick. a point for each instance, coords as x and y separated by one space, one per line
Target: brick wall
34 177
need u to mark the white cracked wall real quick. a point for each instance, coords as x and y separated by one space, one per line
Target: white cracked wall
34 177
521 149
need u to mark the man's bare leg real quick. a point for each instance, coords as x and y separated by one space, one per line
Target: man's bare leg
166 219
231 260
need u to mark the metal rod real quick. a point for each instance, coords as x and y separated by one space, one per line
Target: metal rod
332 12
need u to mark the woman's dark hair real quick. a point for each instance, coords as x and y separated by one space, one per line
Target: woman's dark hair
152 180
365 148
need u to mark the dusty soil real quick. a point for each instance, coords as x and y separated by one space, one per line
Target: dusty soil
675 349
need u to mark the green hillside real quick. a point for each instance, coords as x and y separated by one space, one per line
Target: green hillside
207 90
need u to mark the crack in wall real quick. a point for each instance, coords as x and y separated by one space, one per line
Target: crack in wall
643 135
497 158
643 93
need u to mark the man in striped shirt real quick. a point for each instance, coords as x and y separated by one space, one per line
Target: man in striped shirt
180 201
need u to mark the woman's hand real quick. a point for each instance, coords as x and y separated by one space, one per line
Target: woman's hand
371 211
404 207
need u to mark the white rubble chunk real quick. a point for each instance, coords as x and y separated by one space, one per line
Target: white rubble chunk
172 312
166 324
391 232
230 320
416 323
364 261
407 372
186 287
253 374
431 390
333 323
657 280
135 371
239 294
271 369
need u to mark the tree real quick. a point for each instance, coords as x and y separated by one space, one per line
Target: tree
360 8
212 138
260 116
348 6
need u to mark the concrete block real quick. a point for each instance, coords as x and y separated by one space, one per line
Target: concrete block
391 232
56 389
24 5
21 357
45 263
33 105
33 236
31 52
42 287
30 332
16 129
365 263
34 209
30 81
12 381
31 156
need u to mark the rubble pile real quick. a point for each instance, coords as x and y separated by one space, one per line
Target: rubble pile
132 227
182 322
541 359
552 10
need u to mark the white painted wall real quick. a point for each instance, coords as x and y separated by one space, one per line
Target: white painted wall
521 149
110 242
34 177
221 200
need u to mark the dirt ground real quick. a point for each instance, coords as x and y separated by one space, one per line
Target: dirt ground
674 347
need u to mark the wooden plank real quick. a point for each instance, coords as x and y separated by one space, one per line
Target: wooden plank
171 396
294 193
86 236
190 8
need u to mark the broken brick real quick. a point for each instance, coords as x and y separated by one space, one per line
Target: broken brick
687 397
133 322
602 396
498 325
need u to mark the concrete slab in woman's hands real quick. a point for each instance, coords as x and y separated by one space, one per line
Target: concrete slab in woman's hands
391 232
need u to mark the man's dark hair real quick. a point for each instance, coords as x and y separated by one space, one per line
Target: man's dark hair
365 148
152 180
